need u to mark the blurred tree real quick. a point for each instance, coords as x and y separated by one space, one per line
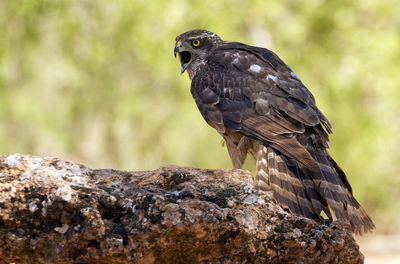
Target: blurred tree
96 81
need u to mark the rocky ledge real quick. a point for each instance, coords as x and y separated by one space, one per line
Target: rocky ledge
55 211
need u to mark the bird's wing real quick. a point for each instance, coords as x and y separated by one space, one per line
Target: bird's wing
251 91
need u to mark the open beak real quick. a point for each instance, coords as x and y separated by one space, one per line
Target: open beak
184 56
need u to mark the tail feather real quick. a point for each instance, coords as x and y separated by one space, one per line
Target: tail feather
287 188
268 168
308 191
308 186
330 188
343 203
306 206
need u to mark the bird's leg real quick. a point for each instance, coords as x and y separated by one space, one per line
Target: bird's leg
237 148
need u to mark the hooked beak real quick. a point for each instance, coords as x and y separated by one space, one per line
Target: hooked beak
184 56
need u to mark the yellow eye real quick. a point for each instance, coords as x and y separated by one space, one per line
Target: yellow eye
196 43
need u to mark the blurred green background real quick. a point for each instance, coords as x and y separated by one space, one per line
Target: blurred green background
96 82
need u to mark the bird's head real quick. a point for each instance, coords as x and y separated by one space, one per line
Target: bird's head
193 47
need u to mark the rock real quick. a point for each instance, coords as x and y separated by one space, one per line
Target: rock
54 211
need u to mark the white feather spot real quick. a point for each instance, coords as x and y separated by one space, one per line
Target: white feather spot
264 161
294 75
255 68
272 77
236 56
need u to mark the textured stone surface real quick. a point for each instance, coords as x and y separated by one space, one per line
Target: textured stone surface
54 211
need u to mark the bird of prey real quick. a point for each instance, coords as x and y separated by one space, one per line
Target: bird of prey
260 106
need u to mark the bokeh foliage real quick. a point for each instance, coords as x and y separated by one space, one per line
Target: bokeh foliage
96 81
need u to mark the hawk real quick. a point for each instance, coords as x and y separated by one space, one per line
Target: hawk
260 106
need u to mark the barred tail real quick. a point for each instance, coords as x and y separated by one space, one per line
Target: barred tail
309 192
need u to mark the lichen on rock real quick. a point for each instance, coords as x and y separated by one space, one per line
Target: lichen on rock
54 211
